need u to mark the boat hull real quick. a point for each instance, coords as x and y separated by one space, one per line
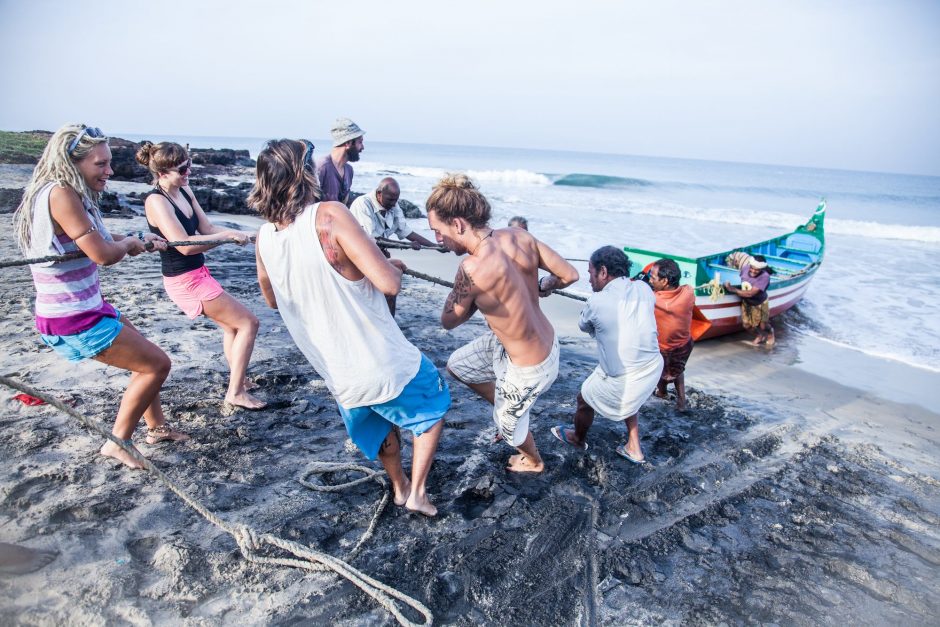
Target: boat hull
725 313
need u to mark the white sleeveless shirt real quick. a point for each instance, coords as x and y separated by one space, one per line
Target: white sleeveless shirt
342 327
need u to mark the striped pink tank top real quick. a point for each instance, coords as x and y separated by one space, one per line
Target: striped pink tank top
68 293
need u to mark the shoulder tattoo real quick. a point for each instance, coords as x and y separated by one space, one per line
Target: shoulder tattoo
325 235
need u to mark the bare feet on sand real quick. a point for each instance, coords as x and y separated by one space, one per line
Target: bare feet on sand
245 401
521 463
20 560
420 505
110 449
400 496
249 384
659 393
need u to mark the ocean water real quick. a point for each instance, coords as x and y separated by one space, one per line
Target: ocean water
877 290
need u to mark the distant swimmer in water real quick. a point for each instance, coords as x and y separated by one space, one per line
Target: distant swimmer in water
519 222
334 308
59 214
619 316
174 213
516 361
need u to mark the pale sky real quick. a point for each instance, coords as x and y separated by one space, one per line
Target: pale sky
842 84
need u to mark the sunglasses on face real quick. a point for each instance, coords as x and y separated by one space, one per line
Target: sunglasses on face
184 168
91 131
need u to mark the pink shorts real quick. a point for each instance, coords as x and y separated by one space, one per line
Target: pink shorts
190 289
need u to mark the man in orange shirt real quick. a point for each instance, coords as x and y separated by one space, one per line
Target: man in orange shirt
674 304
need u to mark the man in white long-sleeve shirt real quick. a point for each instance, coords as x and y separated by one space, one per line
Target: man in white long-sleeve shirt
620 317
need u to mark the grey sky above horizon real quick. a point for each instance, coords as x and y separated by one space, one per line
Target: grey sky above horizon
838 84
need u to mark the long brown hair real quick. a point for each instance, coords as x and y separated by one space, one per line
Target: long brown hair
455 196
284 185
160 157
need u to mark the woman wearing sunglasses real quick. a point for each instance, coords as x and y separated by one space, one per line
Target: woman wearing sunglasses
59 214
174 213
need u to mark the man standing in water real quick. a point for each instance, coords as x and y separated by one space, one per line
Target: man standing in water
347 144
516 361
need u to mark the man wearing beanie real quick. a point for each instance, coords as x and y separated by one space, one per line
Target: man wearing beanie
333 171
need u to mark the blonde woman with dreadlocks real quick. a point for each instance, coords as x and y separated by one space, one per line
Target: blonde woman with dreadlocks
59 214
174 213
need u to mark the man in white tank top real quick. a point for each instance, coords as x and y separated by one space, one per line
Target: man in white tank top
329 280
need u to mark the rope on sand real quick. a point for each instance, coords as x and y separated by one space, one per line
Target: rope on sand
434 279
370 475
10 263
249 541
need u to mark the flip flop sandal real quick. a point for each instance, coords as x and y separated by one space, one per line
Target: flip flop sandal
559 432
622 451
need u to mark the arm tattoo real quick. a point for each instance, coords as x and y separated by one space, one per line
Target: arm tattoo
325 235
462 286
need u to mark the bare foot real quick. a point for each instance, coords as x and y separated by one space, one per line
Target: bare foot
497 437
420 505
757 341
110 449
245 401
248 384
521 463
401 496
659 393
771 339
20 560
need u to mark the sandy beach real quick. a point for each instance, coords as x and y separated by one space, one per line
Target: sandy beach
787 497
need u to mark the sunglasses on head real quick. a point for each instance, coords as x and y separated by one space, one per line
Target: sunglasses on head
91 131
308 156
184 168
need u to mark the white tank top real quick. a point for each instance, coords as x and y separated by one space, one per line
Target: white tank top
342 327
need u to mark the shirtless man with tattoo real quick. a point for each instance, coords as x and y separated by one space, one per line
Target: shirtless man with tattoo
518 359
329 280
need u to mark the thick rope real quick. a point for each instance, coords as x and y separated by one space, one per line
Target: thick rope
249 541
370 475
434 279
10 263
384 242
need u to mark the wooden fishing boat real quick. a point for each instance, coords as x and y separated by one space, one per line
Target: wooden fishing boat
794 257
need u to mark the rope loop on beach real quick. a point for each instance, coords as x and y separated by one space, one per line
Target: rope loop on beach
248 540
370 474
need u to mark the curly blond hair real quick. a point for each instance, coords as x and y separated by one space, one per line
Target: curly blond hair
57 166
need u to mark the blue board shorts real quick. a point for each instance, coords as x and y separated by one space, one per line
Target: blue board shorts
87 343
421 404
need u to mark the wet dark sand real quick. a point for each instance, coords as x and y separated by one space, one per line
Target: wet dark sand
755 509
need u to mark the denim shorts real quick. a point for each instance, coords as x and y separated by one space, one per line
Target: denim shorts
421 404
88 343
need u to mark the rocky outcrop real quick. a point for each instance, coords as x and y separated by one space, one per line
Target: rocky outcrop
221 156
410 209
214 195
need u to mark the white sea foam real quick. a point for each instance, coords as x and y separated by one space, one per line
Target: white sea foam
508 177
